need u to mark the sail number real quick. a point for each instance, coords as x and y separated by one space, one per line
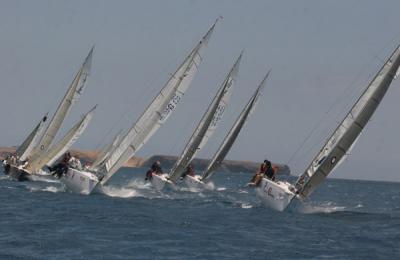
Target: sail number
170 107
218 115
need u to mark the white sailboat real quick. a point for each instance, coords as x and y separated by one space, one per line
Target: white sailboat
201 181
35 155
278 195
202 133
156 114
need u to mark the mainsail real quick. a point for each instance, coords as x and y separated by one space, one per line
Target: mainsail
349 129
56 151
158 111
25 149
73 94
226 145
207 124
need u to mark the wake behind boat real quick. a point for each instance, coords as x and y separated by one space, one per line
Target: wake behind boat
278 195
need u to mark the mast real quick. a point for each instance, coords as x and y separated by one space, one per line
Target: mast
207 124
229 140
158 110
349 129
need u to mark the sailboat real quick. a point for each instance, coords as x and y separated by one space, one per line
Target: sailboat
156 114
32 150
278 195
201 181
202 133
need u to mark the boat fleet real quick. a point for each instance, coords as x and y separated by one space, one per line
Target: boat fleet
38 155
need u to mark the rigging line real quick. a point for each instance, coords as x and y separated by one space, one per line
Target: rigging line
338 100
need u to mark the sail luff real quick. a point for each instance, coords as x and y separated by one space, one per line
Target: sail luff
55 152
209 120
233 133
25 149
350 128
158 110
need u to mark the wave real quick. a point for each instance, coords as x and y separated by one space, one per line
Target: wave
53 189
325 208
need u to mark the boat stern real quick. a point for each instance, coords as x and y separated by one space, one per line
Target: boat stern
275 195
79 181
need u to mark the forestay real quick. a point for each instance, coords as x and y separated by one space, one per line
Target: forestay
72 95
226 145
207 124
56 151
25 149
350 128
158 111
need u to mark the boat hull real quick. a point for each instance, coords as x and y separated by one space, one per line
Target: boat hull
195 182
17 173
275 195
160 181
79 181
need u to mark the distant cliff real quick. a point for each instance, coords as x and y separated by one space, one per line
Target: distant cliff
166 161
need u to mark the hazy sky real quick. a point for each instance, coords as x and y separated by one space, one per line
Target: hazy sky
322 54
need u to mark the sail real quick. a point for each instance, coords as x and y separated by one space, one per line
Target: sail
349 129
226 145
56 151
72 95
105 152
207 124
158 111
25 149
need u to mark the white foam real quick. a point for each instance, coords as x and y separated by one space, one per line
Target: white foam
324 208
246 206
53 189
119 192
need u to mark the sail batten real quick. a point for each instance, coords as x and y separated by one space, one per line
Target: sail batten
233 133
157 112
348 131
207 124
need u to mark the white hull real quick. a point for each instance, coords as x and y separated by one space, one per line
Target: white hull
275 195
159 181
195 183
79 181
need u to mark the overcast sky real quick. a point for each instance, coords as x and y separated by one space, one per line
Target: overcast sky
322 54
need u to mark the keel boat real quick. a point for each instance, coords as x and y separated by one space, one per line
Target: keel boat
278 195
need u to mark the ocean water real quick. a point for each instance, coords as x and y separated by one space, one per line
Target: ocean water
128 220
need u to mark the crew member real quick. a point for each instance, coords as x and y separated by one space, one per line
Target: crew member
155 168
189 171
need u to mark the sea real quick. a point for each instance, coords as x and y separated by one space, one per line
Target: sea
127 219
